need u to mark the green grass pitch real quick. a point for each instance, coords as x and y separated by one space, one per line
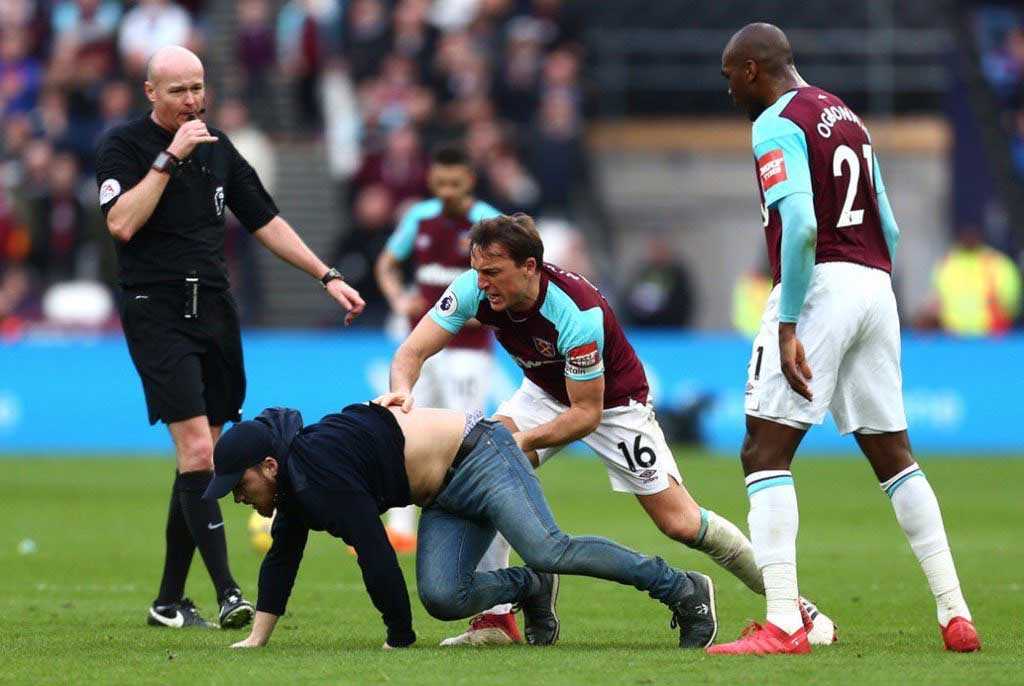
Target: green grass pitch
73 611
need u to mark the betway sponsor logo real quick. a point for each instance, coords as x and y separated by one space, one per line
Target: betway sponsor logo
437 274
530 364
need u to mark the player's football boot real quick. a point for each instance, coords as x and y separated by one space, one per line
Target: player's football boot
235 610
540 612
695 615
488 629
821 631
960 636
177 616
765 640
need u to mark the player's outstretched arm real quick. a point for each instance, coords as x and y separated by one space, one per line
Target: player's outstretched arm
586 403
425 341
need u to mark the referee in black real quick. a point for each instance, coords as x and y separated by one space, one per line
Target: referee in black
164 182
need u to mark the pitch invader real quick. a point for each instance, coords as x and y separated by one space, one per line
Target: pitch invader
830 335
583 381
434 235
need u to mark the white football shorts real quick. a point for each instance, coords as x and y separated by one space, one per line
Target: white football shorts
455 379
629 439
850 331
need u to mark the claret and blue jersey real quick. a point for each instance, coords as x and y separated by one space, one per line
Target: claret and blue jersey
810 142
569 333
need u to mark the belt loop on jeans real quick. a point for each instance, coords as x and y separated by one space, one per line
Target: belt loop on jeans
467 446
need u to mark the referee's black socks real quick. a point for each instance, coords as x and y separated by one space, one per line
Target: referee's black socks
207 526
180 548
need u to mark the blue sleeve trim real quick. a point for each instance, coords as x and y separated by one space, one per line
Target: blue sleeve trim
404 238
890 229
482 210
799 239
576 328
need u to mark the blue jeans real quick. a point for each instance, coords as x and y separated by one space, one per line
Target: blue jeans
495 488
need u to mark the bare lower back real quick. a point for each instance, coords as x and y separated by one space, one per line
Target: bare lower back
432 437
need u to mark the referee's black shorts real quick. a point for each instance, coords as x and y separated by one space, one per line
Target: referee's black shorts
189 367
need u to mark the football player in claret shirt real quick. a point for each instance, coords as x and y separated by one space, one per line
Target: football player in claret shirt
583 381
830 335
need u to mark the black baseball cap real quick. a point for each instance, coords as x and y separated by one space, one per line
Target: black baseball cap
244 445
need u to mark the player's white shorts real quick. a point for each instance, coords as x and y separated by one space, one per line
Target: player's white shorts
455 379
629 439
850 331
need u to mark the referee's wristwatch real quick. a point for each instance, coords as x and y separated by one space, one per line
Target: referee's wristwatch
331 275
166 163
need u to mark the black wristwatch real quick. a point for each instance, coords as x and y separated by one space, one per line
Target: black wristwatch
166 163
331 275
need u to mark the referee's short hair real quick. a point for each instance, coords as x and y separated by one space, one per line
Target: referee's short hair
516 233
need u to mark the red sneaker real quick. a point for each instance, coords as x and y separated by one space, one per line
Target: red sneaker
765 640
488 629
960 636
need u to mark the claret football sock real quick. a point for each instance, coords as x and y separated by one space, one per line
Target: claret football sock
178 556
918 514
774 521
207 526
723 542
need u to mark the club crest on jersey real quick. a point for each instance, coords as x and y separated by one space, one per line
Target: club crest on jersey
448 304
545 348
463 243
772 168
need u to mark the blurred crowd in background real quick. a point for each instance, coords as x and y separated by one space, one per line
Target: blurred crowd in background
379 83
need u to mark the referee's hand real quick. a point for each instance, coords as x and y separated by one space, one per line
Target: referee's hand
189 135
347 297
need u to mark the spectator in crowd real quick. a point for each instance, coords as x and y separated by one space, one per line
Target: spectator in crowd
60 228
401 168
116 105
306 36
660 291
256 52
84 33
518 80
558 154
977 289
373 216
412 37
14 245
510 185
150 25
21 74
367 38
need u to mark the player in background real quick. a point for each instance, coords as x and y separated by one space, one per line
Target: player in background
434 234
830 335
583 381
